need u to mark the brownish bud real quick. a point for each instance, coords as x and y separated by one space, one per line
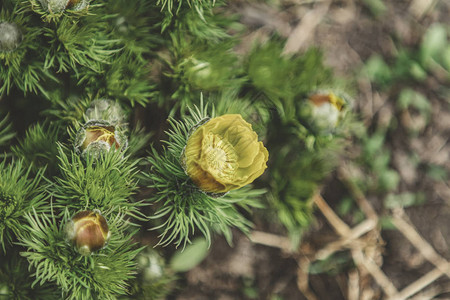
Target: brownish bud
104 134
88 231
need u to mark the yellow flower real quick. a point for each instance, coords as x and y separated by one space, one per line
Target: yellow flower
224 154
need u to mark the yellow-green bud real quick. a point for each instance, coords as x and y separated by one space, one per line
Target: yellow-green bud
88 231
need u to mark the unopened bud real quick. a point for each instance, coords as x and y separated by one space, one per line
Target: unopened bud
58 6
326 109
96 137
10 36
88 231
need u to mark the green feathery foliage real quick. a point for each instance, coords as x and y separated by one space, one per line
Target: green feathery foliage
286 80
6 132
127 54
306 152
132 23
212 28
125 79
103 47
195 67
16 280
138 142
105 183
20 67
73 44
19 194
183 208
68 111
172 8
102 275
38 148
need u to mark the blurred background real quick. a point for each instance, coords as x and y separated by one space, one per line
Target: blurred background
381 225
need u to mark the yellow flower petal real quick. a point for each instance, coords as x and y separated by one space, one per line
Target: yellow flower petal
224 154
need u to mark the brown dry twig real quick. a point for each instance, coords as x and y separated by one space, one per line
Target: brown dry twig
361 200
417 285
303 278
354 234
304 30
353 285
383 281
340 227
271 240
421 244
420 8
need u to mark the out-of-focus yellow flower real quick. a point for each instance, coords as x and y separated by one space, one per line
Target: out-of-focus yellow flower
224 154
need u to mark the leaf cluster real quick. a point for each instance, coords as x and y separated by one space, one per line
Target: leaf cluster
106 183
99 276
104 46
182 207
20 68
19 193
16 280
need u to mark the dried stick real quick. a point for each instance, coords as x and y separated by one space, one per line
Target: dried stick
355 233
361 200
353 285
417 285
303 279
422 245
420 8
383 281
431 293
271 240
300 35
339 226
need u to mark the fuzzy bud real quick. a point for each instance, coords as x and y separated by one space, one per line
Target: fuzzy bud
88 231
326 109
77 4
97 137
58 6
107 110
10 36
150 264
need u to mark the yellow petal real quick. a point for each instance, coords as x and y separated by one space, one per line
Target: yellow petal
224 154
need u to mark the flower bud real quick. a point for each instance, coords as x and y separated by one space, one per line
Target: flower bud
77 4
224 154
107 110
326 109
10 36
150 265
88 231
58 6
97 137
54 6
